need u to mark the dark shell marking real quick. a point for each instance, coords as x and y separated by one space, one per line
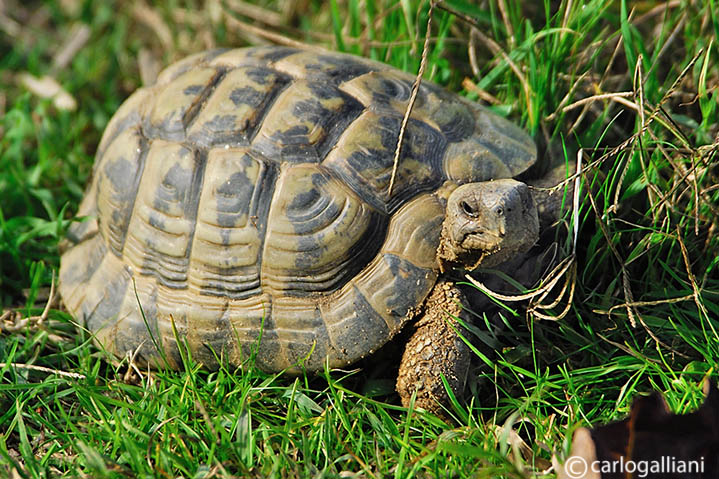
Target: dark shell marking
243 200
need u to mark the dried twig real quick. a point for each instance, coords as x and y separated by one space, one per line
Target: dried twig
36 320
654 115
79 37
412 98
497 50
553 277
472 53
603 78
131 365
42 369
629 301
507 24
590 99
494 48
659 9
469 85
630 351
571 281
244 27
567 268
609 311
154 22
628 296
665 47
255 12
692 280
11 27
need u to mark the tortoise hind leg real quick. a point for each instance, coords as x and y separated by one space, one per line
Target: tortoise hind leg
435 350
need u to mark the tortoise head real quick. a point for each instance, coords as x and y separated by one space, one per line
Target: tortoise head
487 223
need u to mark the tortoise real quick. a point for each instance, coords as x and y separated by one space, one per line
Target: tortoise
241 206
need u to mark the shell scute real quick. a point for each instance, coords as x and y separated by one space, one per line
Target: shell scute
354 327
197 60
330 68
162 222
319 233
302 125
178 101
234 109
117 182
228 239
393 286
364 158
301 332
130 114
383 90
80 264
414 231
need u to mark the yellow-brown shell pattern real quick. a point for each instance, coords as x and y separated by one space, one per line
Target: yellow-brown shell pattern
241 206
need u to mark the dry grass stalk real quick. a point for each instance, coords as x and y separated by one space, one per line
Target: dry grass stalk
493 47
42 369
593 98
255 12
412 98
553 276
79 36
507 24
611 310
243 28
19 323
154 22
9 26
692 279
470 86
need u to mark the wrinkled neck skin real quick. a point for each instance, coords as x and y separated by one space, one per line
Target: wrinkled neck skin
486 224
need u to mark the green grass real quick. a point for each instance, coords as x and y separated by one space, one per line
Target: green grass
648 237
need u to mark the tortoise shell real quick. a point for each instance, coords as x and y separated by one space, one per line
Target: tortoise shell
240 205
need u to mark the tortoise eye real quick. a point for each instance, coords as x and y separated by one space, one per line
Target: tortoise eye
499 211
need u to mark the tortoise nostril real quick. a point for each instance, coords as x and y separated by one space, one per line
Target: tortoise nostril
468 209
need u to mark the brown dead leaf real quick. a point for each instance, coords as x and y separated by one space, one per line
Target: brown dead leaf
651 442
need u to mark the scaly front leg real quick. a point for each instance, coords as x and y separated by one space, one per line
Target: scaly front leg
435 350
